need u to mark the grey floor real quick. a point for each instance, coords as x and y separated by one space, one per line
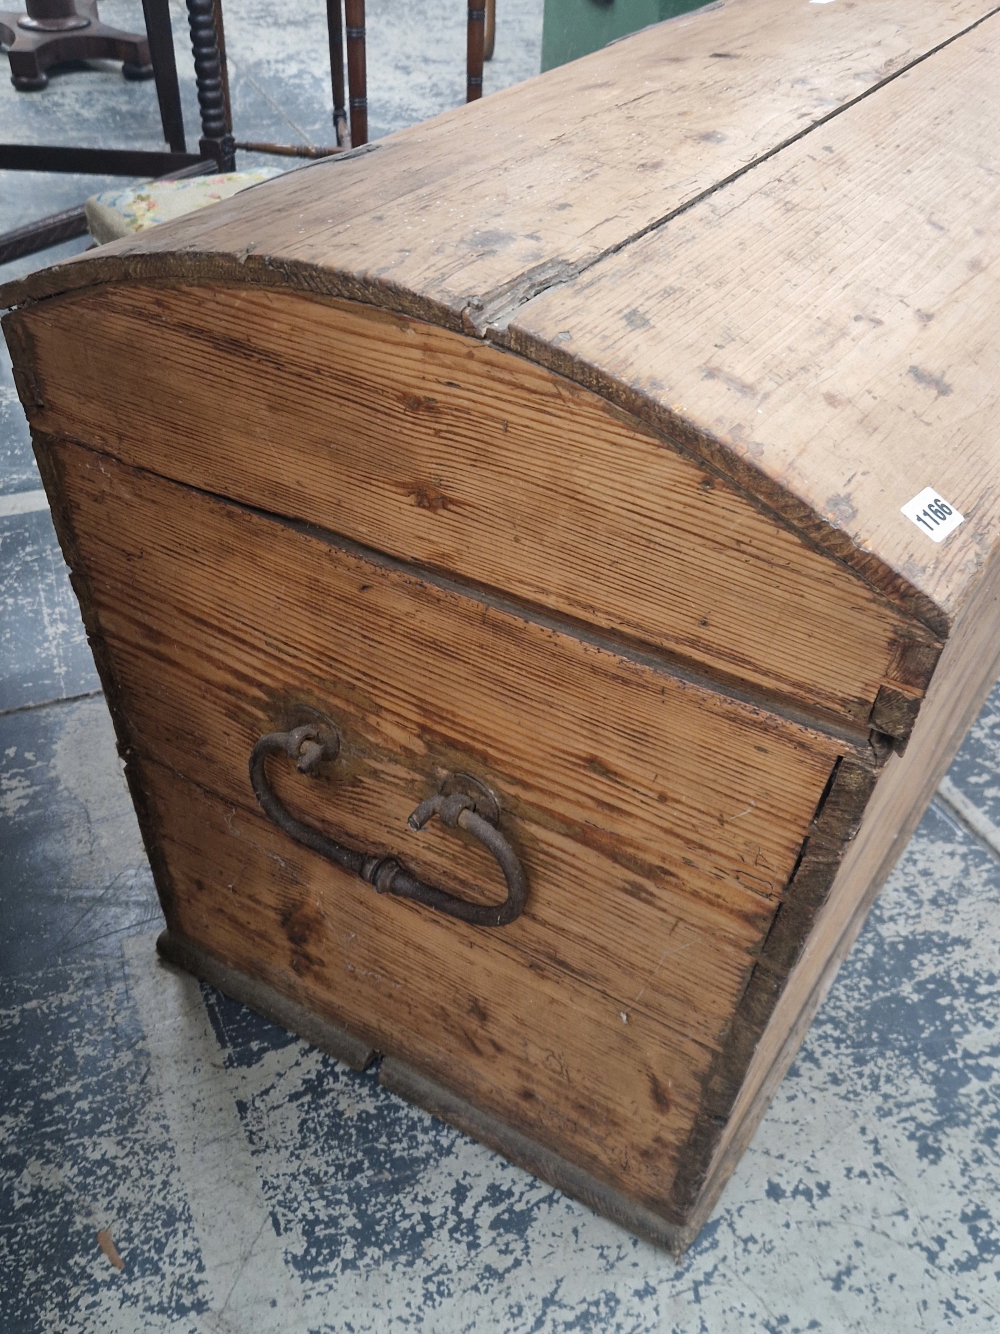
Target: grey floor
251 1184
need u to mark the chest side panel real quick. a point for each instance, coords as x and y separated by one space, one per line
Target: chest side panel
523 1041
658 822
434 447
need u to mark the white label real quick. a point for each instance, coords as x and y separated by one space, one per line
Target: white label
933 515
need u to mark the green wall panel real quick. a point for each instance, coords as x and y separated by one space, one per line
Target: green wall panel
573 28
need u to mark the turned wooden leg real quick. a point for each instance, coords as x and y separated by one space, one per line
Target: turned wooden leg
216 140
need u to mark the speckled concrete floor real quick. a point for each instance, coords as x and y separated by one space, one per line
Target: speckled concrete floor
254 1185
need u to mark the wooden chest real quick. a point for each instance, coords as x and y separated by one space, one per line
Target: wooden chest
517 512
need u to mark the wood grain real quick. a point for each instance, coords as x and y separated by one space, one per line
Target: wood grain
768 276
298 1019
658 822
515 1037
462 217
457 220
825 327
433 447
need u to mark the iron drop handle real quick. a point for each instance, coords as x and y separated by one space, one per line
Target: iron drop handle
308 746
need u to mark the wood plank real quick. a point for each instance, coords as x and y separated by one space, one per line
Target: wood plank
658 822
462 217
516 1038
436 448
823 328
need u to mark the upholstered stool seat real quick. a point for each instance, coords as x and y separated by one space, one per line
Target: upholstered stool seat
117 213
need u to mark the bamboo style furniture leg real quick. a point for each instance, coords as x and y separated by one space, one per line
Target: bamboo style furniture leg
479 47
273 149
475 50
357 74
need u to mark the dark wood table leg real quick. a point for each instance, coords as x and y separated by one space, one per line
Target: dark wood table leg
161 54
475 50
335 29
357 75
53 32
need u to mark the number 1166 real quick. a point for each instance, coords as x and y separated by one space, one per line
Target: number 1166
934 514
